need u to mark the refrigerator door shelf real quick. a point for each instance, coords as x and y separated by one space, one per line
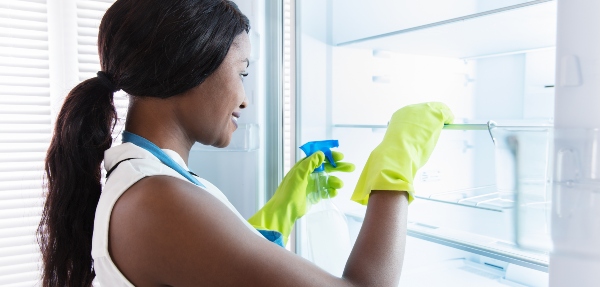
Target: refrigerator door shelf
573 192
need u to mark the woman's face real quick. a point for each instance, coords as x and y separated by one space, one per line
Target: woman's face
209 112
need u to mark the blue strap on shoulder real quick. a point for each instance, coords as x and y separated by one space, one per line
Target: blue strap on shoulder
160 154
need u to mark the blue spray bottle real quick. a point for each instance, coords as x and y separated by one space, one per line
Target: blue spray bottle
327 233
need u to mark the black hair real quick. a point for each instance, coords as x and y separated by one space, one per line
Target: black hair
147 48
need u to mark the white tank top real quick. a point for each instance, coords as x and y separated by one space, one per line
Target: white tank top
141 164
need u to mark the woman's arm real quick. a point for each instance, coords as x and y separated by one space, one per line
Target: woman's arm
165 231
377 256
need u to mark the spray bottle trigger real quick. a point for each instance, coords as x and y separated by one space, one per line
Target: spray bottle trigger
329 157
311 147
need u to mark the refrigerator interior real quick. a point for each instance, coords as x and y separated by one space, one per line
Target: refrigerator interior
493 65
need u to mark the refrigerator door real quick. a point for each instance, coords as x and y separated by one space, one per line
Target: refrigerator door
239 169
575 217
493 64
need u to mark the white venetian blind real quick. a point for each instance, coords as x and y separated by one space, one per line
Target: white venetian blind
89 15
24 135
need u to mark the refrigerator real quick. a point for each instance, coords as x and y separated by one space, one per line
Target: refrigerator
510 194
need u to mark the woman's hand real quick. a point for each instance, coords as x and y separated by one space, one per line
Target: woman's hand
290 200
409 140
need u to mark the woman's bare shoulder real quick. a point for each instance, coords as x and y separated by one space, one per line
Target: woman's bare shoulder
152 215
166 231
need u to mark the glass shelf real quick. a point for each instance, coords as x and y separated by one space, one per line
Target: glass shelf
401 15
459 272
478 126
485 197
521 27
464 127
482 245
474 243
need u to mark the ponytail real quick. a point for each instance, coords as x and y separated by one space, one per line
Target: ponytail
81 135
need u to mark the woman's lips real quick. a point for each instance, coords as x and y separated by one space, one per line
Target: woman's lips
234 118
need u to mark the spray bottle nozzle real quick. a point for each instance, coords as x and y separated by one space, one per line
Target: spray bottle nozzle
325 146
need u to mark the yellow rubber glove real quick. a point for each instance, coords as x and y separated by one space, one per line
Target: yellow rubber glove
290 199
409 140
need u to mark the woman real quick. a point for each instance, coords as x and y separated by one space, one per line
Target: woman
154 223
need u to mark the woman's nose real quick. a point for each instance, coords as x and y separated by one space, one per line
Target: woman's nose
244 104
